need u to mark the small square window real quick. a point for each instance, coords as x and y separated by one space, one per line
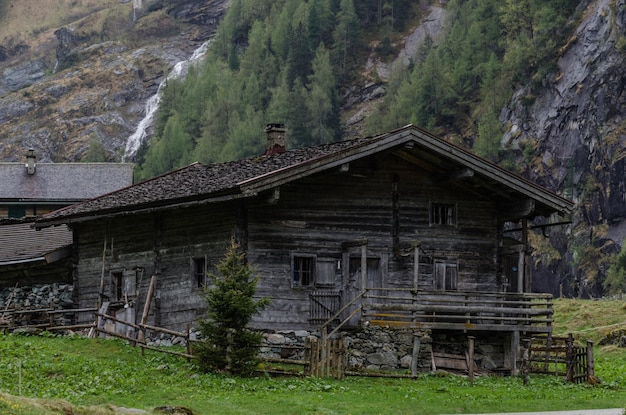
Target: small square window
303 271
443 214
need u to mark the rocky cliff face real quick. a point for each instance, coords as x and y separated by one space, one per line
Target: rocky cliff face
89 80
571 135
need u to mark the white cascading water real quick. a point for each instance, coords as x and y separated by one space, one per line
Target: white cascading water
152 105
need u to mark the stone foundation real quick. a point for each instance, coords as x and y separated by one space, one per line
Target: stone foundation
37 296
372 348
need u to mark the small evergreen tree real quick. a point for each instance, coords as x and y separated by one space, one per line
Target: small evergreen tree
229 345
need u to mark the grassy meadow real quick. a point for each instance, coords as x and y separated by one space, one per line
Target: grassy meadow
73 375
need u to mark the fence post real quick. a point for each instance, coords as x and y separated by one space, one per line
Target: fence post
415 355
591 374
470 358
307 356
570 358
526 360
188 341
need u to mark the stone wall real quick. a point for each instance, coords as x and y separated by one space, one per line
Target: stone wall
379 348
37 296
372 348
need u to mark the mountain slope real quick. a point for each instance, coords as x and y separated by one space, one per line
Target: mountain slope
84 78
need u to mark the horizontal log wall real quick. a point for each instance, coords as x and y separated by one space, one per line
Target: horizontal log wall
160 245
383 199
315 215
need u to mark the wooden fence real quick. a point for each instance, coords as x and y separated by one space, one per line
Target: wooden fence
561 356
326 357
321 357
318 357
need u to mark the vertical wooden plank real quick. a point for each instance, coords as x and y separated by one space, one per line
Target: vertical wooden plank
415 354
514 347
146 308
104 252
527 358
416 263
569 359
363 267
314 356
522 265
470 358
591 371
307 356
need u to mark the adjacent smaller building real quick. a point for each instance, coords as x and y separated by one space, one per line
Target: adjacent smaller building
29 190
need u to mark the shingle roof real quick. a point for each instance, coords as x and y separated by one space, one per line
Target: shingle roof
63 182
198 182
20 242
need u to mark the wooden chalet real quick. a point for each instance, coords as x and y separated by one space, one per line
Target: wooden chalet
401 229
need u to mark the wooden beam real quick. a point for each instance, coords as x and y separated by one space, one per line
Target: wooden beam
517 210
459 174
58 254
353 244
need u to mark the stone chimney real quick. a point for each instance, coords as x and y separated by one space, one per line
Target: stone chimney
275 139
30 161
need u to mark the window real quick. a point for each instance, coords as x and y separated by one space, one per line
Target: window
198 266
17 211
443 214
303 271
445 276
123 285
117 286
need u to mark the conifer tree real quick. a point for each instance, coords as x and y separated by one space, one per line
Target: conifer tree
229 344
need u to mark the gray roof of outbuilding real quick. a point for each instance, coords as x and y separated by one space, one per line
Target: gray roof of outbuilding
62 182
199 183
21 242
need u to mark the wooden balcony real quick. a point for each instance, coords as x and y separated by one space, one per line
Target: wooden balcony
466 311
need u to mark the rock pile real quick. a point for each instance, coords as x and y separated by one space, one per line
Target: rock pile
38 296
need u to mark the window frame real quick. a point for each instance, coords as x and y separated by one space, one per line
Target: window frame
117 285
442 281
198 265
312 270
449 216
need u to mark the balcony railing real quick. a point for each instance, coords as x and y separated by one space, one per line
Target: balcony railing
469 311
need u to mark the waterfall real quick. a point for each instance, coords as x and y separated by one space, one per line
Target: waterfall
152 104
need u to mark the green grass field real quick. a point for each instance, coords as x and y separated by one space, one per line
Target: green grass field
71 376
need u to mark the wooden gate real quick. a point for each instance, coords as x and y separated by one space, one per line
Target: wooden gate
326 357
323 305
560 356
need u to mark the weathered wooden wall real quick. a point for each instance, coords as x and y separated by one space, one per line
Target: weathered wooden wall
39 272
162 245
314 216
383 199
